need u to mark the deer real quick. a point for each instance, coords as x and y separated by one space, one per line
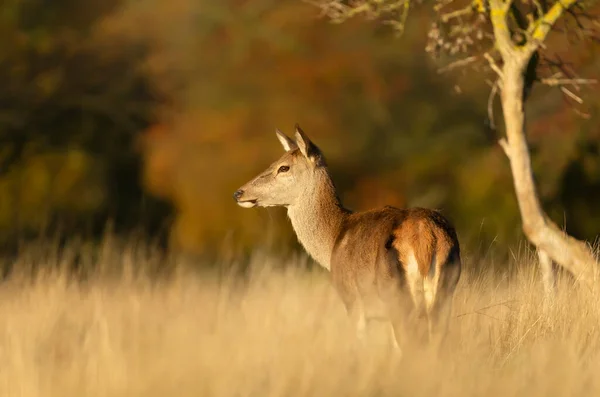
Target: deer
396 265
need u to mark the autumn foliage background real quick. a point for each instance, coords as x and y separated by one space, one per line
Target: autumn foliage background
146 116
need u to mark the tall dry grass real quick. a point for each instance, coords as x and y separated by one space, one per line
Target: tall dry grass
278 331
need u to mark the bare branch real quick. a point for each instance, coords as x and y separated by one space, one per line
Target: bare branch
542 26
468 10
498 13
539 7
570 94
563 67
581 114
493 64
400 25
394 13
553 82
458 64
339 12
505 146
558 79
518 17
548 270
490 107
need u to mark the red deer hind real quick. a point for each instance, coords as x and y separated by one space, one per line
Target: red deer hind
398 265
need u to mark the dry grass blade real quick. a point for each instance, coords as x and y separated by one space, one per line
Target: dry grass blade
281 331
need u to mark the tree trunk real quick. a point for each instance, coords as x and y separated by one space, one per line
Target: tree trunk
548 270
552 243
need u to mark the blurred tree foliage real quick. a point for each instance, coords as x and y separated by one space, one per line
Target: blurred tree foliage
82 83
392 130
70 109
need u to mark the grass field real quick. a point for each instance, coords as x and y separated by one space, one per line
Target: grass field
280 331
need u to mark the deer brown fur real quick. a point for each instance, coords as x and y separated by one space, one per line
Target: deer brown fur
399 265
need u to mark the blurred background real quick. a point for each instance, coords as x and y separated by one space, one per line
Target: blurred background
145 116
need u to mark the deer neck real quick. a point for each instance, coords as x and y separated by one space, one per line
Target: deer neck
317 218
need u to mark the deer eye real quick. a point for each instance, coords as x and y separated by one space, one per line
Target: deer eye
283 168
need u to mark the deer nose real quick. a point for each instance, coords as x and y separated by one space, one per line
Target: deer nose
238 194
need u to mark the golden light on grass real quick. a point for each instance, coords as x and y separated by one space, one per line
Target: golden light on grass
280 331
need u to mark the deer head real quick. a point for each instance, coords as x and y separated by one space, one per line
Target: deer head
286 180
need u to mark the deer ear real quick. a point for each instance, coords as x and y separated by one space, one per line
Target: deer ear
287 142
305 145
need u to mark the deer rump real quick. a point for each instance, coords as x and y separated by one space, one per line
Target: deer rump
396 262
